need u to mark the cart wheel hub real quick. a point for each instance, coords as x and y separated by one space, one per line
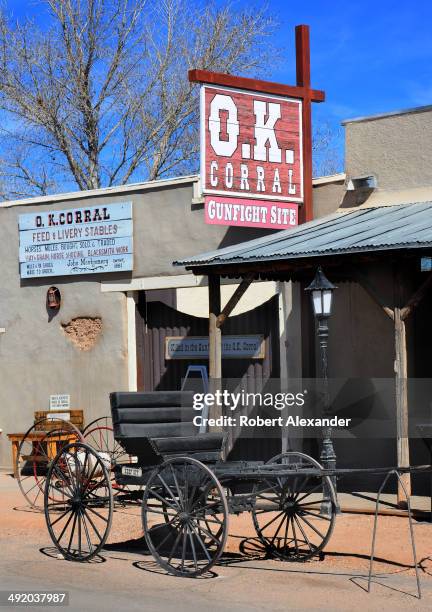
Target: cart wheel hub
76 502
184 517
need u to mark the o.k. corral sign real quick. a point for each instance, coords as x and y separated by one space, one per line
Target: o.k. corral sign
88 240
251 158
256 145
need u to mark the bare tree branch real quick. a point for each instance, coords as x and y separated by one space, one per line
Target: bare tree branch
100 96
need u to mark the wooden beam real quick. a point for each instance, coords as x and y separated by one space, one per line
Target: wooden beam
215 339
401 371
234 300
303 81
228 80
415 299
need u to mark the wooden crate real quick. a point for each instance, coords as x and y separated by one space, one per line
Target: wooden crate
76 417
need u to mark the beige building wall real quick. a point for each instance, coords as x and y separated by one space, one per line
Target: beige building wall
396 148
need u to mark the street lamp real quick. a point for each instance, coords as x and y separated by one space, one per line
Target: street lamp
321 290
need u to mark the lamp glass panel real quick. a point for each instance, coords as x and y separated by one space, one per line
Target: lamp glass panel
317 302
327 301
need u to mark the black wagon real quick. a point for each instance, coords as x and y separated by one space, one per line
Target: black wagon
185 488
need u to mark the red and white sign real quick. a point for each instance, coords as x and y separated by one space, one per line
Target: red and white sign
220 210
251 148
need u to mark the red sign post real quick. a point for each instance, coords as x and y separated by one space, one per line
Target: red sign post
256 146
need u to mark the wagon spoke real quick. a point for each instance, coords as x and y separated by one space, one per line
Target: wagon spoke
180 495
170 493
185 482
89 544
311 548
164 500
295 535
89 478
171 522
79 532
183 548
203 546
319 516
208 533
174 545
272 520
304 483
311 526
65 526
97 514
92 524
193 547
310 503
60 517
214 519
72 532
315 488
278 529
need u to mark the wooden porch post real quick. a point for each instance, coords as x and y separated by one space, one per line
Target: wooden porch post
215 337
401 372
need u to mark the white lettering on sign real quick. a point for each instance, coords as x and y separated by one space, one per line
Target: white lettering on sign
59 402
218 104
79 241
265 131
251 145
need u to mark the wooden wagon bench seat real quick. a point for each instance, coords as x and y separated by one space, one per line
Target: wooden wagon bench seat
156 424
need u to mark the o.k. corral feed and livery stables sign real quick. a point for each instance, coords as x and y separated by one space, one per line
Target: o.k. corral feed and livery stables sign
88 240
250 346
251 158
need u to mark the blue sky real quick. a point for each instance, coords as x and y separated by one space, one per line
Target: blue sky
369 57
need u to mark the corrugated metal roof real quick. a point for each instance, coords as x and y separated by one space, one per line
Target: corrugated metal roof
405 226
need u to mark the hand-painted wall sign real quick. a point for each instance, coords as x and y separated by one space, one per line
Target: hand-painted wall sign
88 240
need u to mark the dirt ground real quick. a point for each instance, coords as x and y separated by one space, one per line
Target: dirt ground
23 532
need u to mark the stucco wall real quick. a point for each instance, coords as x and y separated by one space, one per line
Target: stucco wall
396 148
36 357
327 197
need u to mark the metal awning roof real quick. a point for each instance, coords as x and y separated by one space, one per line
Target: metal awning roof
407 226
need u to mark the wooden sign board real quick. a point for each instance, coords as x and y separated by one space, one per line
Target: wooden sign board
251 157
89 240
197 347
251 144
256 142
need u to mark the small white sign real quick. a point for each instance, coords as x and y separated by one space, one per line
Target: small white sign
58 416
59 402
130 471
197 347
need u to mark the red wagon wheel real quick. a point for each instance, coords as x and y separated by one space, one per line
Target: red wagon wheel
99 434
37 450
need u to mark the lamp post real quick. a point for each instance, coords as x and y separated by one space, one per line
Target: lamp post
321 290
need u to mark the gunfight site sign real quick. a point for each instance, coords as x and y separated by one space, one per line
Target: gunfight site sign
88 240
251 157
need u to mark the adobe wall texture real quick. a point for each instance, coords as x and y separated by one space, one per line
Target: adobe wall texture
82 350
397 149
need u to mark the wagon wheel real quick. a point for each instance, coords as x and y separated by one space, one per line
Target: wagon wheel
38 448
288 513
99 434
185 516
78 502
